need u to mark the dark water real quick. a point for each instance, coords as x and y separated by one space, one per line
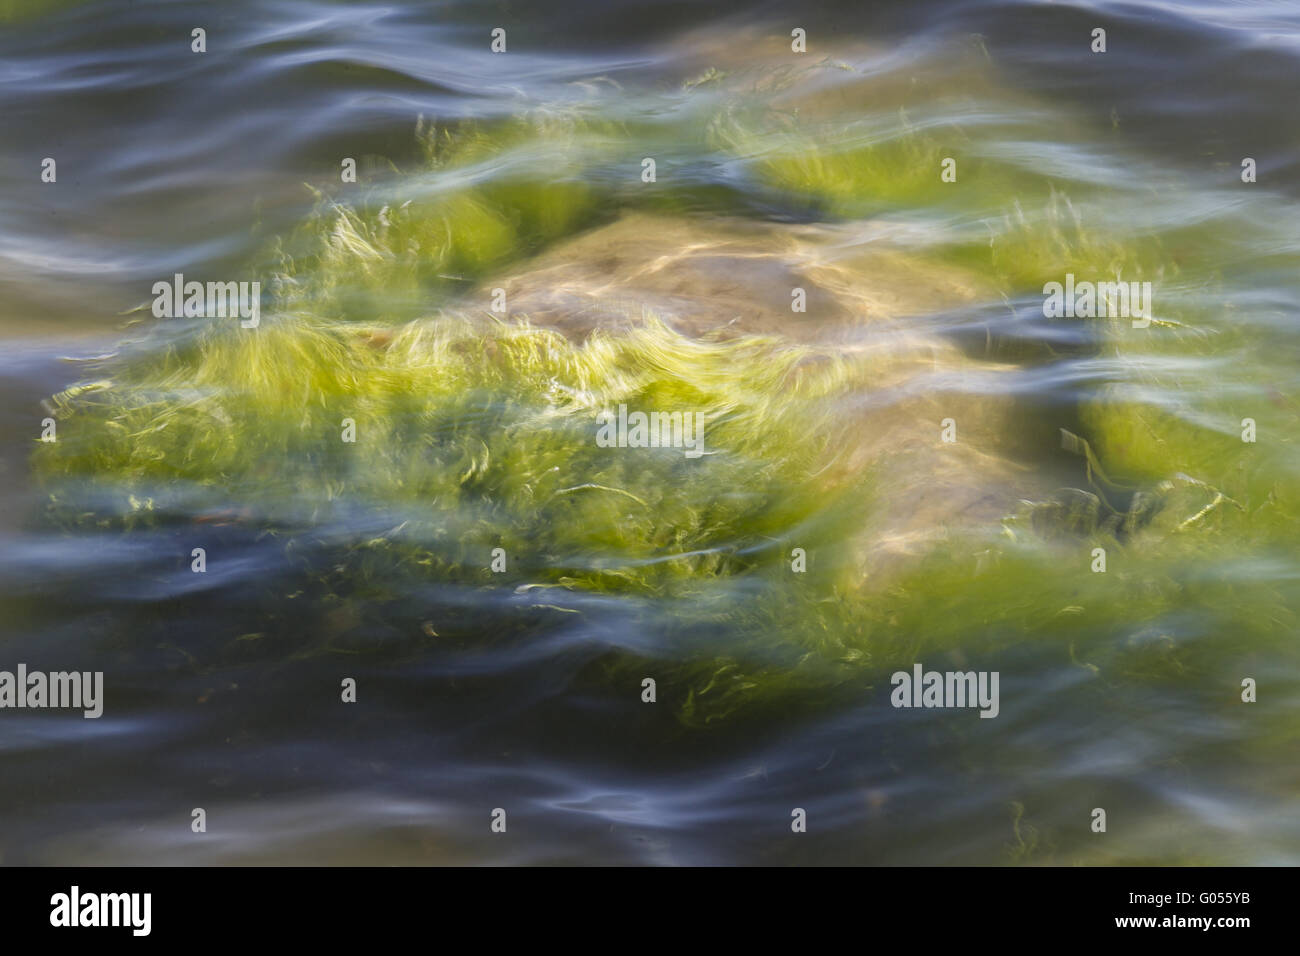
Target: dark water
1119 690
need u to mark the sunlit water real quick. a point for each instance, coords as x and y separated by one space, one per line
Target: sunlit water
522 689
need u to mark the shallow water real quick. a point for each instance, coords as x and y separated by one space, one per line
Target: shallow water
522 690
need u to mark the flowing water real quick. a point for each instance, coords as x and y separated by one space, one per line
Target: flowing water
395 478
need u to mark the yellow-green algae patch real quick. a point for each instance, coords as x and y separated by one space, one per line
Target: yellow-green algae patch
481 196
484 429
475 434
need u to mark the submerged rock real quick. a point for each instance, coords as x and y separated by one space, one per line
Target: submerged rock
731 277
721 280
857 460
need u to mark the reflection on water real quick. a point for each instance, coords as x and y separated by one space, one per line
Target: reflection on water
498 584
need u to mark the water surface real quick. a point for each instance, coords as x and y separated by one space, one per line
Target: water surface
522 690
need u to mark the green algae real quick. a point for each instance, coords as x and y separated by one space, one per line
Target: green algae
470 421
480 435
479 198
840 172
473 435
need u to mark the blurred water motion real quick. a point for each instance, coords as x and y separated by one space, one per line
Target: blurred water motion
775 171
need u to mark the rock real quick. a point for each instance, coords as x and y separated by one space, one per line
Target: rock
867 301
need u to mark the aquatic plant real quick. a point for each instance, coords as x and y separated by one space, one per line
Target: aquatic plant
473 434
481 196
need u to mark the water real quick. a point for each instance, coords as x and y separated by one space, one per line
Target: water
521 690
